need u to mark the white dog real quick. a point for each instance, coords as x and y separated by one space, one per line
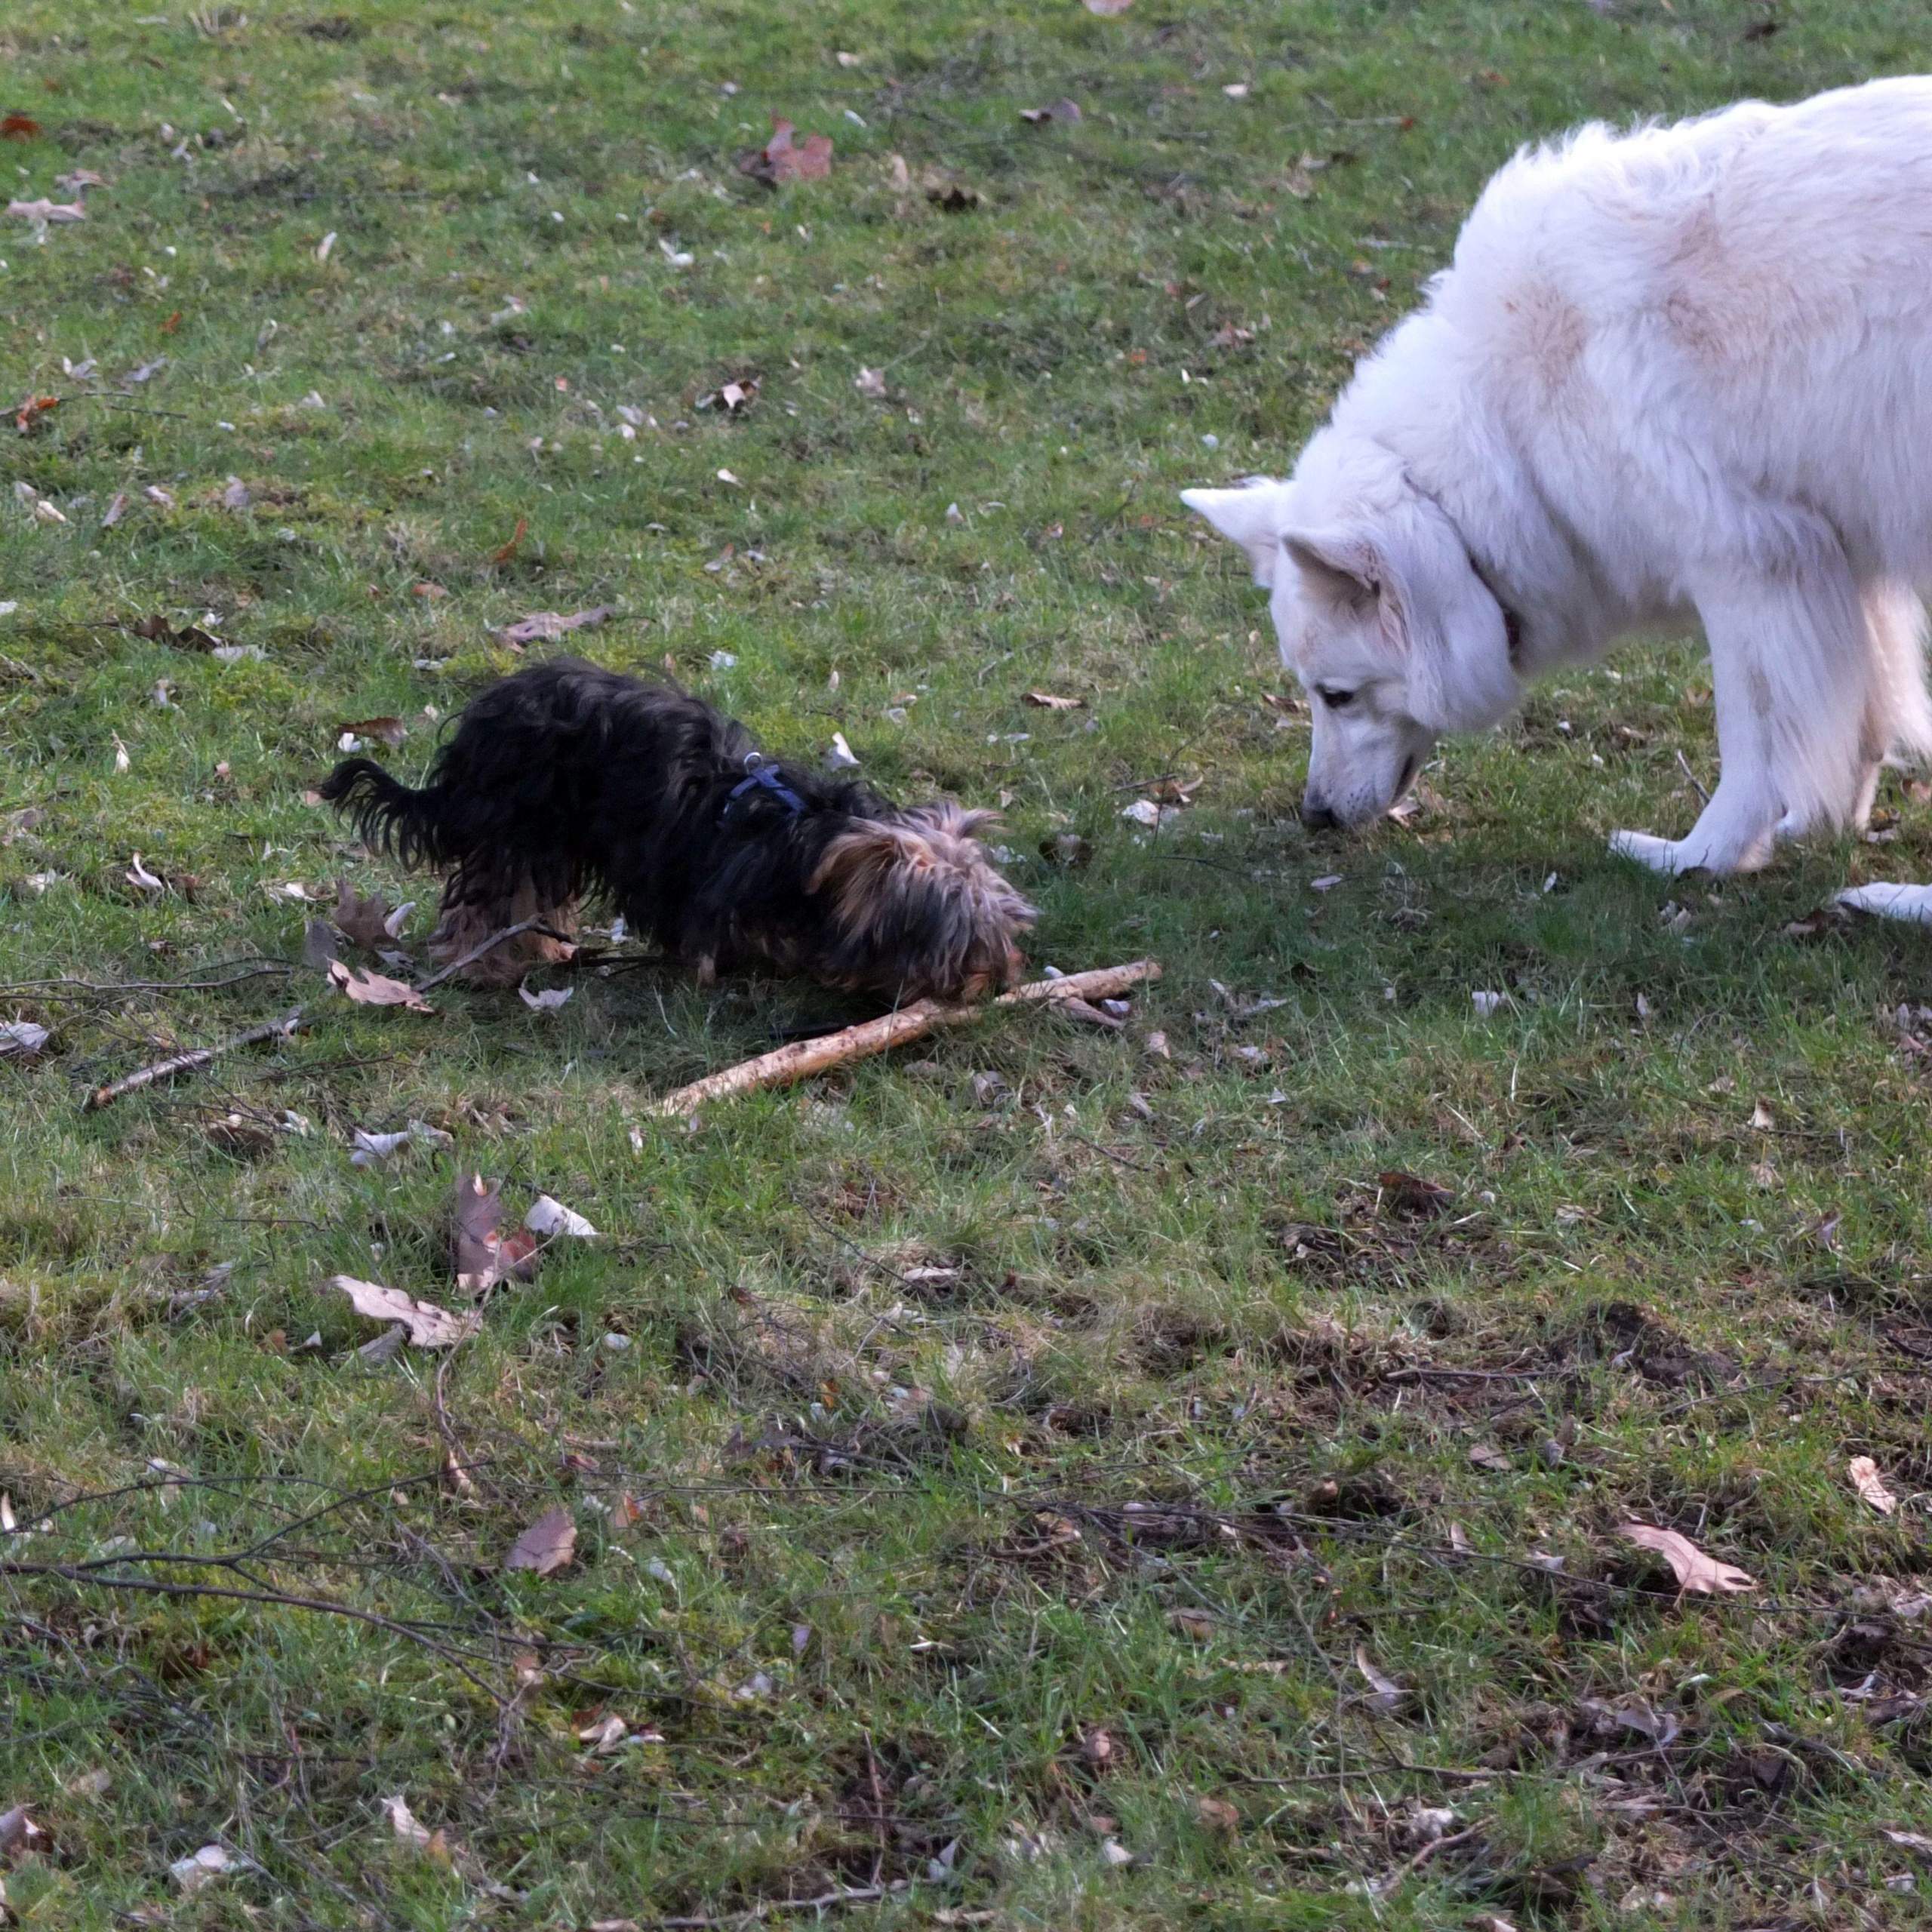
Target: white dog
1686 369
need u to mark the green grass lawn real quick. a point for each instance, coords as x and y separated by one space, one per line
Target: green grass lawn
1041 1480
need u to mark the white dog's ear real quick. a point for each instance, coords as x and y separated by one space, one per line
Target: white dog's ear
1435 611
1251 515
1341 567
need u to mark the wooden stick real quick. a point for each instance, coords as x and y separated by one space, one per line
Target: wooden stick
803 1058
191 1062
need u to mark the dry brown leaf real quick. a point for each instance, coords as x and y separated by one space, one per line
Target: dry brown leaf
188 637
1052 701
1694 1570
372 923
484 1255
19 128
1218 1815
18 1831
391 731
784 157
1870 1484
542 627
430 1326
546 1545
1412 1195
376 988
505 552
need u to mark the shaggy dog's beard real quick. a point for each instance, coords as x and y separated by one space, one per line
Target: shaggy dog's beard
565 781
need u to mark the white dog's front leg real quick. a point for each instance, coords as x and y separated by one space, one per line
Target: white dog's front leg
1790 664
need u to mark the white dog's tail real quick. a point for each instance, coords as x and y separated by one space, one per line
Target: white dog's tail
1899 707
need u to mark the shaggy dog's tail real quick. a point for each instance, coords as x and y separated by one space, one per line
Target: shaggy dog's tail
391 817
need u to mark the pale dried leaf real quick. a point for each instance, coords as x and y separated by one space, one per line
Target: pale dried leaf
544 627
550 1218
1694 1570
21 1039
403 1824
546 1545
368 989
1389 1695
202 1867
546 1000
430 1326
1870 1484
1053 701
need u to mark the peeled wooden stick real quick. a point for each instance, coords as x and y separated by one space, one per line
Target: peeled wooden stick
190 1062
803 1058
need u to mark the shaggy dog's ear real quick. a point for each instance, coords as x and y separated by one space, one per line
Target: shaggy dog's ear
1436 612
1252 515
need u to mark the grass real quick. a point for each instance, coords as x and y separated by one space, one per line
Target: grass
970 1477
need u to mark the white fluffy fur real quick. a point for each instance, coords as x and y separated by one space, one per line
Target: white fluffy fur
1685 371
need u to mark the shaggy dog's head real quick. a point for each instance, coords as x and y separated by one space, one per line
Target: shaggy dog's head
1378 610
919 907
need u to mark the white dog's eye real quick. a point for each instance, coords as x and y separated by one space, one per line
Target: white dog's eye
1335 700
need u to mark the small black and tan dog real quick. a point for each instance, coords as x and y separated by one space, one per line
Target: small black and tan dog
565 780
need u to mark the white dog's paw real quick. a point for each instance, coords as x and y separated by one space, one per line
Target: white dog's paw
1667 855
1891 901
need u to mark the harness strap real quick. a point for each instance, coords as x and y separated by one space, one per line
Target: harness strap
764 777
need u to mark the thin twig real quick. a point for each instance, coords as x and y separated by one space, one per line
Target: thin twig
1410 1866
53 988
191 1062
81 1573
751 1914
1683 765
490 944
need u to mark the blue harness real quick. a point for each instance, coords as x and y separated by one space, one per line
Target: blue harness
764 777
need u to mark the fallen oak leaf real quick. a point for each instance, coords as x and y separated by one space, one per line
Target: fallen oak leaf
546 1545
783 159
40 212
21 1039
1695 1571
430 1326
542 626
484 1255
1871 1485
1053 701
19 128
18 1831
372 923
368 989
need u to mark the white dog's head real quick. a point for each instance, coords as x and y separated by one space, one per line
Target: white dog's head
1381 613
